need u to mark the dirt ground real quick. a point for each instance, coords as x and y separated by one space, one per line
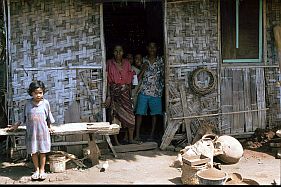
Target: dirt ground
143 167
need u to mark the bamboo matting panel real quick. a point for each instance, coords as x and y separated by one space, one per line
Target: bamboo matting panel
65 87
54 34
192 32
273 100
273 17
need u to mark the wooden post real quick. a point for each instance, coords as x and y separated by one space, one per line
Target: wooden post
185 113
94 150
110 145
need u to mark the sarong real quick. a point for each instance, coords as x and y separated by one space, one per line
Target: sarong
122 105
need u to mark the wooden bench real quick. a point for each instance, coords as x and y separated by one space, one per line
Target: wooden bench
97 128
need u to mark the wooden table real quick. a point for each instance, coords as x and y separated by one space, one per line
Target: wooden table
92 129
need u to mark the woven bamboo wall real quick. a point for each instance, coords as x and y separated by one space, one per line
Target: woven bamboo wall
273 100
49 36
192 42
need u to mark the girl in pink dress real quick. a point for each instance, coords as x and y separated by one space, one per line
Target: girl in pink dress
37 119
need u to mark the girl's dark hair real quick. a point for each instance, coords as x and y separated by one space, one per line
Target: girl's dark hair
35 85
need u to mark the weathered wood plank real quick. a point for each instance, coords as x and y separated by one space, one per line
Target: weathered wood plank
135 147
226 100
72 115
186 113
253 92
235 88
169 133
261 97
247 100
241 98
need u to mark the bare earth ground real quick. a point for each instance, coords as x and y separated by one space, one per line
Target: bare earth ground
142 167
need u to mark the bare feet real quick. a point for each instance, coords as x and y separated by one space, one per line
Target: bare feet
135 142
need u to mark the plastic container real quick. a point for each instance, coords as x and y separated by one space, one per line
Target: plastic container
57 163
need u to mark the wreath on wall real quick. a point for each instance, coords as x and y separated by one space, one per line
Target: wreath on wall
202 81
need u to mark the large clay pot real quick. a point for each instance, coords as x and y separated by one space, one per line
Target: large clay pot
231 148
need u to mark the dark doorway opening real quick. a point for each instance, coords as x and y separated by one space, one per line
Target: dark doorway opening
133 25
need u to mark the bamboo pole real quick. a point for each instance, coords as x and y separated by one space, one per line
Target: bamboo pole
60 68
219 59
192 65
104 75
211 115
235 66
167 65
7 61
181 1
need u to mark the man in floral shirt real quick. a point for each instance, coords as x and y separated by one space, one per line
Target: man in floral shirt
150 93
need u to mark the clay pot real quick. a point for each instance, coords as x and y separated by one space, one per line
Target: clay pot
232 149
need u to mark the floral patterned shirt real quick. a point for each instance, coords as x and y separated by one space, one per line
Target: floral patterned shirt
153 82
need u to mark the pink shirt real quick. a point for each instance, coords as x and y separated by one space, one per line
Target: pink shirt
119 76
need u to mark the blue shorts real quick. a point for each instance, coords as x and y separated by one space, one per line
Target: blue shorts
145 101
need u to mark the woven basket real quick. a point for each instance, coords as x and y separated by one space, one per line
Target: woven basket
189 173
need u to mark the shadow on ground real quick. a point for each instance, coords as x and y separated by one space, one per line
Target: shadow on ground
176 180
15 172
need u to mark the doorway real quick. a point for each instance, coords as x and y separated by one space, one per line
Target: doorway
133 25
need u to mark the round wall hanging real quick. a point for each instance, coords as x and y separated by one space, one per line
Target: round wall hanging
202 81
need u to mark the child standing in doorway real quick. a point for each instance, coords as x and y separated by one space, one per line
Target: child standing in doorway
38 119
137 68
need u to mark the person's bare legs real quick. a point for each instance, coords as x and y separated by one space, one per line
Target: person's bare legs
138 124
35 161
126 138
153 121
131 134
116 139
42 157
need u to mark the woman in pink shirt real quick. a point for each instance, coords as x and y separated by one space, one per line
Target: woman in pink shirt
119 77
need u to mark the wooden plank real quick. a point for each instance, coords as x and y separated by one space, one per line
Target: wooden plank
241 106
242 135
169 133
235 89
74 159
261 98
247 100
110 145
72 115
226 100
195 160
54 144
253 91
186 113
135 147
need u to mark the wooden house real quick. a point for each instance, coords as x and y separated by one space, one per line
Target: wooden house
221 59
